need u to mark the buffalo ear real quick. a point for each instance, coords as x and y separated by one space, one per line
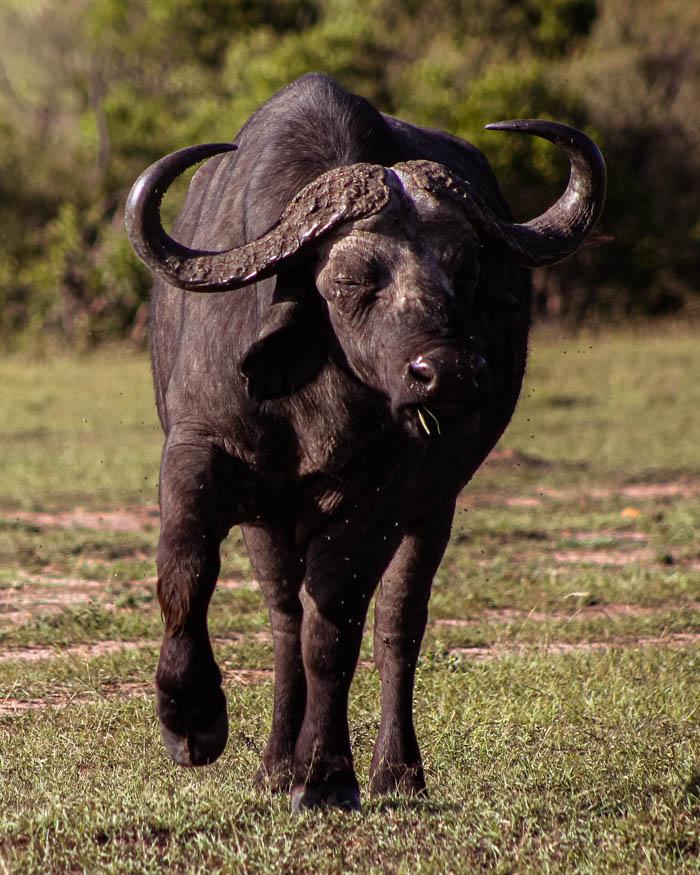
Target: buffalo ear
292 345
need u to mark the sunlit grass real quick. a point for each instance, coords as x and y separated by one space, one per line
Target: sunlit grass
78 431
544 751
585 762
84 430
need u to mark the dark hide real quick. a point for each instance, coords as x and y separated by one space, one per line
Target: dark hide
290 409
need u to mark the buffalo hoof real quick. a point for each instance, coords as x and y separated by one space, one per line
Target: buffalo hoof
398 779
193 737
335 792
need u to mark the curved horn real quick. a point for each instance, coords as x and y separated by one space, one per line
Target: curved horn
340 195
555 234
563 228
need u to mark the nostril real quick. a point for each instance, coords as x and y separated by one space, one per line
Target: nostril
422 370
477 365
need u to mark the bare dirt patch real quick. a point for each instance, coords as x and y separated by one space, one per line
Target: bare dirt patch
247 676
127 519
498 651
685 488
523 501
610 611
604 557
111 692
9 705
101 648
45 596
13 618
613 534
34 595
77 651
681 489
672 489
237 583
145 517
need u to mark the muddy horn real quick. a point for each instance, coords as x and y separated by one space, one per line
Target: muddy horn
558 232
340 195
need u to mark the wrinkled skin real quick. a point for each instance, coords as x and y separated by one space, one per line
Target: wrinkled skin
389 283
292 408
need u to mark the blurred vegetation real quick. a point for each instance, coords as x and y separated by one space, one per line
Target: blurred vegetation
91 91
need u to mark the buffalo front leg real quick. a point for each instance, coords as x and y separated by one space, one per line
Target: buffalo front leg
341 576
190 702
279 570
401 614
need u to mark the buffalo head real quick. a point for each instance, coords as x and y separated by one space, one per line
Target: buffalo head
393 254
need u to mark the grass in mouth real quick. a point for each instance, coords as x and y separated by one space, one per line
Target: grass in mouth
420 411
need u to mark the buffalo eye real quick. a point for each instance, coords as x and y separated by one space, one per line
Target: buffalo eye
465 277
363 285
349 284
354 296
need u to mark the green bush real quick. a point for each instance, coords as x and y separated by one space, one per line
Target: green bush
95 90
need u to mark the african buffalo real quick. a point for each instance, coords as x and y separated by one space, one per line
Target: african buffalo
338 340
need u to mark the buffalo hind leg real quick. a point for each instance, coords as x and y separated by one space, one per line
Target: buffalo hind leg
280 570
190 702
401 614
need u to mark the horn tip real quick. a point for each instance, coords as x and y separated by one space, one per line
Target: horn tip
520 124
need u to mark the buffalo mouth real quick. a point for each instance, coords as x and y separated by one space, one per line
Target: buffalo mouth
435 419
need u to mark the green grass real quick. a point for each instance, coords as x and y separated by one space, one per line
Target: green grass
128 620
84 430
78 431
539 758
628 400
587 763
92 555
66 675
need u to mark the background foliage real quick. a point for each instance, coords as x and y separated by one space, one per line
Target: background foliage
91 91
